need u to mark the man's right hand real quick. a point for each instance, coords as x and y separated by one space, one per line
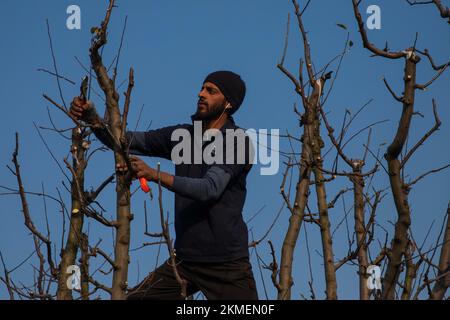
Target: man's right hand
79 107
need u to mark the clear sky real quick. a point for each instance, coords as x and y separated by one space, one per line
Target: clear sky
172 46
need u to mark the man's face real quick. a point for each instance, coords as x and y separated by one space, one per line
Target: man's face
211 102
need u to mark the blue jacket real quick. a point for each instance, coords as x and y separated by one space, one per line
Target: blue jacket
209 198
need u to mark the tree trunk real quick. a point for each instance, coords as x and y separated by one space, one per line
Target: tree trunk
69 254
360 226
324 221
114 127
84 266
327 241
301 199
411 273
295 223
399 190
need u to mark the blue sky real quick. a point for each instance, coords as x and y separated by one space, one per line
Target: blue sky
172 46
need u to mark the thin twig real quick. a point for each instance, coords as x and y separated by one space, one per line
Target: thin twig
437 124
56 75
55 66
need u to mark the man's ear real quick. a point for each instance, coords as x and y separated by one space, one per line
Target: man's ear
227 105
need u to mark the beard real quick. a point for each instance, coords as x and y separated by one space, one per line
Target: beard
211 113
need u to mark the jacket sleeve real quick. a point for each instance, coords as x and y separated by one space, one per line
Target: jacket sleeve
208 188
238 157
153 143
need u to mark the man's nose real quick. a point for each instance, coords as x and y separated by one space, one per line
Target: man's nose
201 94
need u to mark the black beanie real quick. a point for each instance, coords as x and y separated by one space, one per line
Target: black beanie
231 85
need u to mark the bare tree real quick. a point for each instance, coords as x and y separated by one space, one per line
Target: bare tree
399 187
115 126
80 201
311 162
361 229
39 291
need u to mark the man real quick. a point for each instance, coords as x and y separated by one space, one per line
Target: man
211 236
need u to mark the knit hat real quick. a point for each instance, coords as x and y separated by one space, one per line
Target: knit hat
231 85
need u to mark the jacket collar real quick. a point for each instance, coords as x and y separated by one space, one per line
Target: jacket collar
229 124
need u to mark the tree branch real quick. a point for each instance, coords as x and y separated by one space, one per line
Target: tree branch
437 124
365 39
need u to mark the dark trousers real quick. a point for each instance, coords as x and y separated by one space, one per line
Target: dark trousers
227 280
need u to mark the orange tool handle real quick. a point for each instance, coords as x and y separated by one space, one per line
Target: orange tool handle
144 185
